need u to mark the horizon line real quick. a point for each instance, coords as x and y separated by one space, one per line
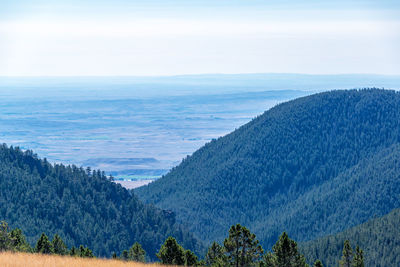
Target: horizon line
199 74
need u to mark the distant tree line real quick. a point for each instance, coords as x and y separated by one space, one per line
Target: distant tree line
240 249
14 240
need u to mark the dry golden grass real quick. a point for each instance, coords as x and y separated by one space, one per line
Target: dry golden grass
9 259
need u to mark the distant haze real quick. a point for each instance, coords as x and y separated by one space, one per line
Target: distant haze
143 126
169 37
87 87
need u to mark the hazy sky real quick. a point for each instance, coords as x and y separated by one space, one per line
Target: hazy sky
163 37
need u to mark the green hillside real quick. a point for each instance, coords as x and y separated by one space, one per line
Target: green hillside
379 238
312 166
82 206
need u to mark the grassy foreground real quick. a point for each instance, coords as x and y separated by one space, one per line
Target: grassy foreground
9 259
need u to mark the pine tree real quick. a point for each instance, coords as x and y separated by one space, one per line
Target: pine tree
285 254
358 260
137 253
43 245
59 246
18 241
242 247
171 252
347 255
318 263
81 251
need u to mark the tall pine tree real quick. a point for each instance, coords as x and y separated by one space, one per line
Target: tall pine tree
285 254
43 245
347 255
18 241
242 247
358 260
59 246
171 252
137 253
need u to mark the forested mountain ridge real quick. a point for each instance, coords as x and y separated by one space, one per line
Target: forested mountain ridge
379 238
82 206
305 166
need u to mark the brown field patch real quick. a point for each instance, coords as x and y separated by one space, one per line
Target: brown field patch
10 259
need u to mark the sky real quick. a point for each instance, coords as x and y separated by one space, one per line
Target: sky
165 37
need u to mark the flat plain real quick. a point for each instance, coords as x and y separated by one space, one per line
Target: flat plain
131 127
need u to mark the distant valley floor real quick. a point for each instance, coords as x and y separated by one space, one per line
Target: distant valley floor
133 184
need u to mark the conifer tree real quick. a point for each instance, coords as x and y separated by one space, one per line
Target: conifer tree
358 260
18 241
171 252
137 253
285 254
242 247
81 251
59 246
43 245
347 255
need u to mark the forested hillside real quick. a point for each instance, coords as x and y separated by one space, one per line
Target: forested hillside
312 166
379 238
82 206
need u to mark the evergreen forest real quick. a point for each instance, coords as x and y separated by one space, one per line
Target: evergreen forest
81 205
379 238
313 166
323 169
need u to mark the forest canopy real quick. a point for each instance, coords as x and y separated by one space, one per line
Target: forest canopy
304 166
80 205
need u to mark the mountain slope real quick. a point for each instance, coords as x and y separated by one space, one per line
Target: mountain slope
281 171
379 238
82 206
370 188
